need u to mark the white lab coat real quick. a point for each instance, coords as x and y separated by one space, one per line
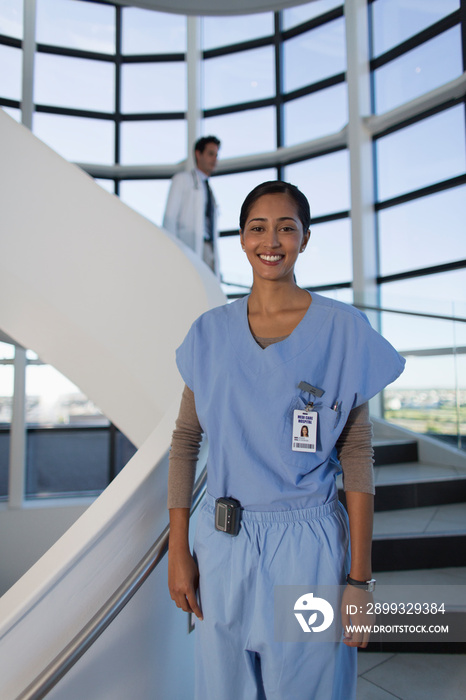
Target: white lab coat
185 212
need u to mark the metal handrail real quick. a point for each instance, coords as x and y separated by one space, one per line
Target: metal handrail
421 314
378 309
70 654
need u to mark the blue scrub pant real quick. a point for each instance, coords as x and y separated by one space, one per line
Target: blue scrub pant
237 657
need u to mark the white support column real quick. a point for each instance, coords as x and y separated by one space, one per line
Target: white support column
194 84
17 461
363 223
361 155
29 47
17 457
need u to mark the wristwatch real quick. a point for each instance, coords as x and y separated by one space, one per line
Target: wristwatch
364 585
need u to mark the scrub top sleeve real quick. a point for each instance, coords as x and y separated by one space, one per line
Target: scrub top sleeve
185 359
379 363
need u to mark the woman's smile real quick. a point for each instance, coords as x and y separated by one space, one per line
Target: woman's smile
271 259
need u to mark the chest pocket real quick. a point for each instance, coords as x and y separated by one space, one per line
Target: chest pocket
329 426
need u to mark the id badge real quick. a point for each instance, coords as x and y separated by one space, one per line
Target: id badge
304 431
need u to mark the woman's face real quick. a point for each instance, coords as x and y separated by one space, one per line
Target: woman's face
305 431
273 237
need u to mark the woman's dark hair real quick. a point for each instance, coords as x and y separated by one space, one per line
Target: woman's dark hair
277 187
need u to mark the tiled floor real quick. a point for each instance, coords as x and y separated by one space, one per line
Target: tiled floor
411 676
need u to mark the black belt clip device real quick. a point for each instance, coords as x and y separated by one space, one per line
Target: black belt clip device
227 515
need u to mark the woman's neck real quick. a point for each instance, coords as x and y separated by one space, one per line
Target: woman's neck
275 309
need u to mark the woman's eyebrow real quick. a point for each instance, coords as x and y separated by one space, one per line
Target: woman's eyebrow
281 218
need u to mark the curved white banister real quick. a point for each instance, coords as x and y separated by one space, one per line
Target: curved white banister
105 296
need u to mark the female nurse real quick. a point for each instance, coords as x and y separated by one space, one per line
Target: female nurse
255 372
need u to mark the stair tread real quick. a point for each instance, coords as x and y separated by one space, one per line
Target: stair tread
413 472
427 521
394 441
453 575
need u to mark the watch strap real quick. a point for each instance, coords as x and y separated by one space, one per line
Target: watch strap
364 585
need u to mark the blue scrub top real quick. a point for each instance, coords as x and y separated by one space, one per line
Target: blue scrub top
245 398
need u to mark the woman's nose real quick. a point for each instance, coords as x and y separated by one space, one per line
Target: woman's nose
271 239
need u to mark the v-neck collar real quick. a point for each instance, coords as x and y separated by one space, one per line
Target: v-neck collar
250 353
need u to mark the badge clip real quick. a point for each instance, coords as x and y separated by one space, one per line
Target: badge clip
305 386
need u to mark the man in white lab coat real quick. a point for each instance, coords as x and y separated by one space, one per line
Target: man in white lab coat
191 210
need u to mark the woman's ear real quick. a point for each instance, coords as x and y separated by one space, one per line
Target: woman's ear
306 237
241 239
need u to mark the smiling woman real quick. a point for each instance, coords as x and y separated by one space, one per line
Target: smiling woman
246 389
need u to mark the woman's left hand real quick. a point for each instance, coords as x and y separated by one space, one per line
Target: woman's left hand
357 616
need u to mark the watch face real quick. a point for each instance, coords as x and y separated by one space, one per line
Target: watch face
371 585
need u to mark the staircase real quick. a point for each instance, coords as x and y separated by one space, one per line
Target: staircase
420 521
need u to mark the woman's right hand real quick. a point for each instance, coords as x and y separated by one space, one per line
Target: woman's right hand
183 580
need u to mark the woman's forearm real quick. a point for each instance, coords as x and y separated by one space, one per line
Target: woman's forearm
179 528
360 507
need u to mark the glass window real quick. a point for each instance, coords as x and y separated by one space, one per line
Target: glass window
324 181
6 402
239 77
15 113
394 21
149 32
223 31
66 461
318 264
74 82
443 293
108 185
417 333
314 55
318 114
11 62
345 295
244 133
430 65
76 139
11 18
6 381
235 270
423 398
153 87
429 231
231 190
297 15
79 25
149 142
52 399
148 197
428 151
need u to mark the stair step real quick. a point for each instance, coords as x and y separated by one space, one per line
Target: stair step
388 452
452 577
409 485
414 538
430 520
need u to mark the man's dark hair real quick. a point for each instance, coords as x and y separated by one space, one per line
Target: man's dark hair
202 143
